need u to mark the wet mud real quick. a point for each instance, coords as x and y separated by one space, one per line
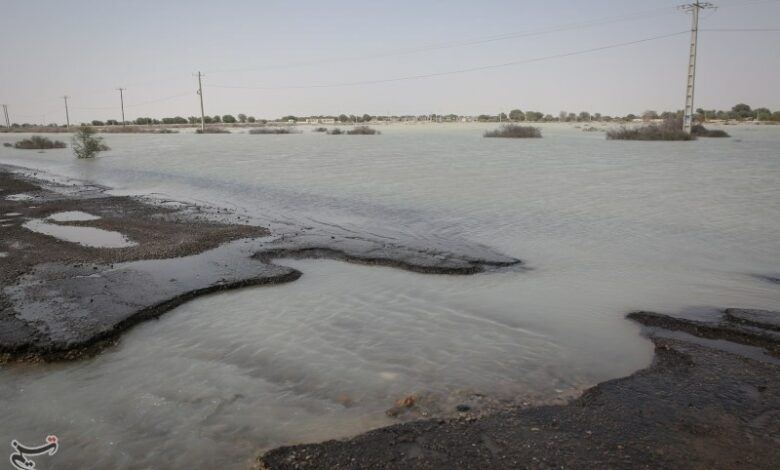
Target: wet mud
695 407
62 300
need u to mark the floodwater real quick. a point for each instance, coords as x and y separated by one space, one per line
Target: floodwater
607 227
87 236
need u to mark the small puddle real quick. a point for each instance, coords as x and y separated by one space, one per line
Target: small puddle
20 197
3 254
72 216
87 236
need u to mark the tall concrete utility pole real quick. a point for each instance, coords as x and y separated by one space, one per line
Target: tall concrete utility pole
694 9
67 116
202 113
122 102
5 113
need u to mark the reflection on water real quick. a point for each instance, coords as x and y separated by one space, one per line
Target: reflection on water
607 227
87 236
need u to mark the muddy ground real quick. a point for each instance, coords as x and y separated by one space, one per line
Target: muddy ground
61 300
696 407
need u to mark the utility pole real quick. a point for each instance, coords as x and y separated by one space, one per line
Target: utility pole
67 116
122 102
5 113
202 114
694 9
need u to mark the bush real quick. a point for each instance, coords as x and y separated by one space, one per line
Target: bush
336 131
669 130
136 130
514 131
273 130
7 144
37 142
321 129
212 130
363 130
700 131
86 144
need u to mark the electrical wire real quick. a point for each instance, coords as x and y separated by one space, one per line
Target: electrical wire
454 72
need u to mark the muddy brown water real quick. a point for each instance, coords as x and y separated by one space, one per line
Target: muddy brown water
608 227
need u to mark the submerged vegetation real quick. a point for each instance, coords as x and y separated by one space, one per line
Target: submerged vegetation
363 130
701 131
669 130
37 142
86 144
359 130
137 130
321 129
515 131
274 130
212 130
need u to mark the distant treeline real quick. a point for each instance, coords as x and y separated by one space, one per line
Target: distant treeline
740 112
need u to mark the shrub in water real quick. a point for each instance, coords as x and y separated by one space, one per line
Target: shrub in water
336 131
273 130
321 129
701 131
671 129
515 131
37 142
212 130
7 144
86 144
363 130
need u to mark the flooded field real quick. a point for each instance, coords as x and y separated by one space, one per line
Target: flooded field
606 227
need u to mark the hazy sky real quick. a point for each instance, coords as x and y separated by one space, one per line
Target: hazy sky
289 49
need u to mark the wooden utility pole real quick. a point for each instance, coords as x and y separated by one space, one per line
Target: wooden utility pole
202 113
694 9
122 102
67 116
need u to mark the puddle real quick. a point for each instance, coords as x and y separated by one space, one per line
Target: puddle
3 254
19 197
87 236
72 216
11 214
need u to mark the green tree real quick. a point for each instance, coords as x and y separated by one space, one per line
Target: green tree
86 144
516 115
98 123
216 119
584 116
366 118
741 111
242 118
534 116
343 118
251 119
228 119
649 115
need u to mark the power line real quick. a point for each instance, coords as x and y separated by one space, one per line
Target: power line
450 45
741 30
458 71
